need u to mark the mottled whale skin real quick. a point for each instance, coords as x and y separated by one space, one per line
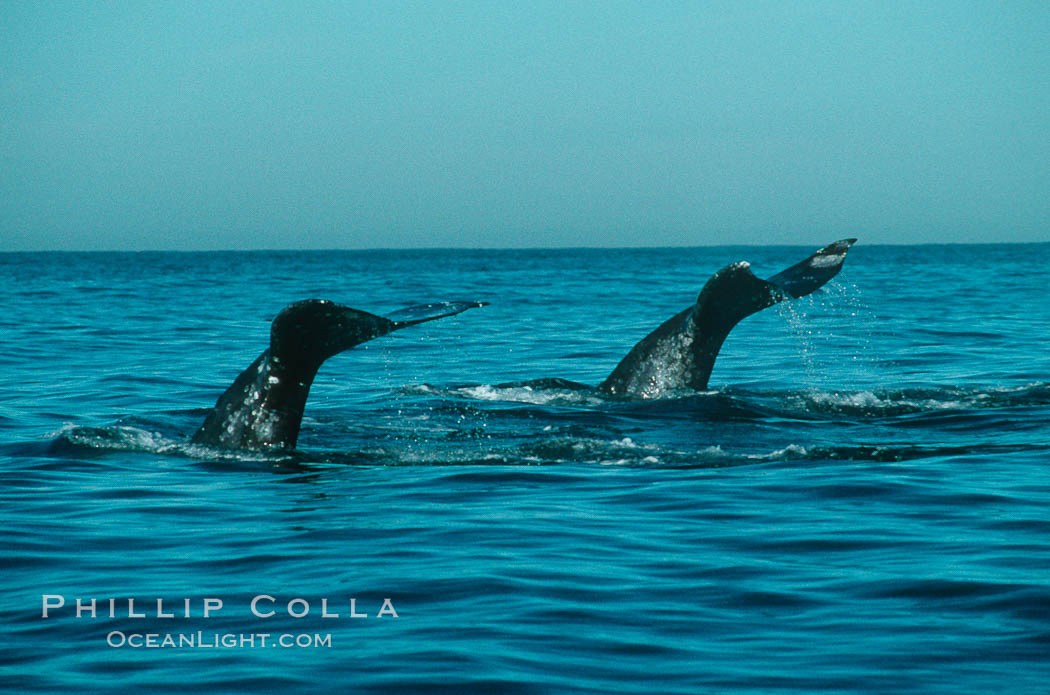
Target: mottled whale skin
681 352
263 408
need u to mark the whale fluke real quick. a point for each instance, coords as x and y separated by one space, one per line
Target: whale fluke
811 274
263 408
681 352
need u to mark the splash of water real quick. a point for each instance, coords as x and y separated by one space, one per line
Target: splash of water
837 352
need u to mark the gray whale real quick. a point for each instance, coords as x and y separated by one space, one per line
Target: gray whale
681 352
263 407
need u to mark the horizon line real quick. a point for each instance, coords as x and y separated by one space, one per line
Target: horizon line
510 248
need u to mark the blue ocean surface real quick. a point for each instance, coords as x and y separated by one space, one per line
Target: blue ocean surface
859 504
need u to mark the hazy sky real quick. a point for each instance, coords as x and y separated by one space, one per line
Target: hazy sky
211 125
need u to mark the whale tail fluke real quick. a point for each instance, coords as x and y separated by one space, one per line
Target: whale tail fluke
681 352
410 316
809 275
263 407
734 293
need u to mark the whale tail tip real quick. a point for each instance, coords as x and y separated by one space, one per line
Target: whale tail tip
814 272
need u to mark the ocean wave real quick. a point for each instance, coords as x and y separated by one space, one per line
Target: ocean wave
734 403
135 439
526 424
552 449
518 393
893 403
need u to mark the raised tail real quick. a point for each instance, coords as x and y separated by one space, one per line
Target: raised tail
263 408
809 275
681 352
412 315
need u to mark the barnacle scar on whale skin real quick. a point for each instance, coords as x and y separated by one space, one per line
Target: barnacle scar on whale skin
263 408
681 352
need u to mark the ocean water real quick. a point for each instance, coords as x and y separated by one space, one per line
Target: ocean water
859 504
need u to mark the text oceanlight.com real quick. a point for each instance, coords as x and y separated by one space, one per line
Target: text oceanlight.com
227 640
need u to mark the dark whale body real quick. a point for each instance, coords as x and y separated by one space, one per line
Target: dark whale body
681 352
263 408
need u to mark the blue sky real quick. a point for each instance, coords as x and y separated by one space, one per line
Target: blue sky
521 124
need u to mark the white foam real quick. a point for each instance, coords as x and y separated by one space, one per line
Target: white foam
528 394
